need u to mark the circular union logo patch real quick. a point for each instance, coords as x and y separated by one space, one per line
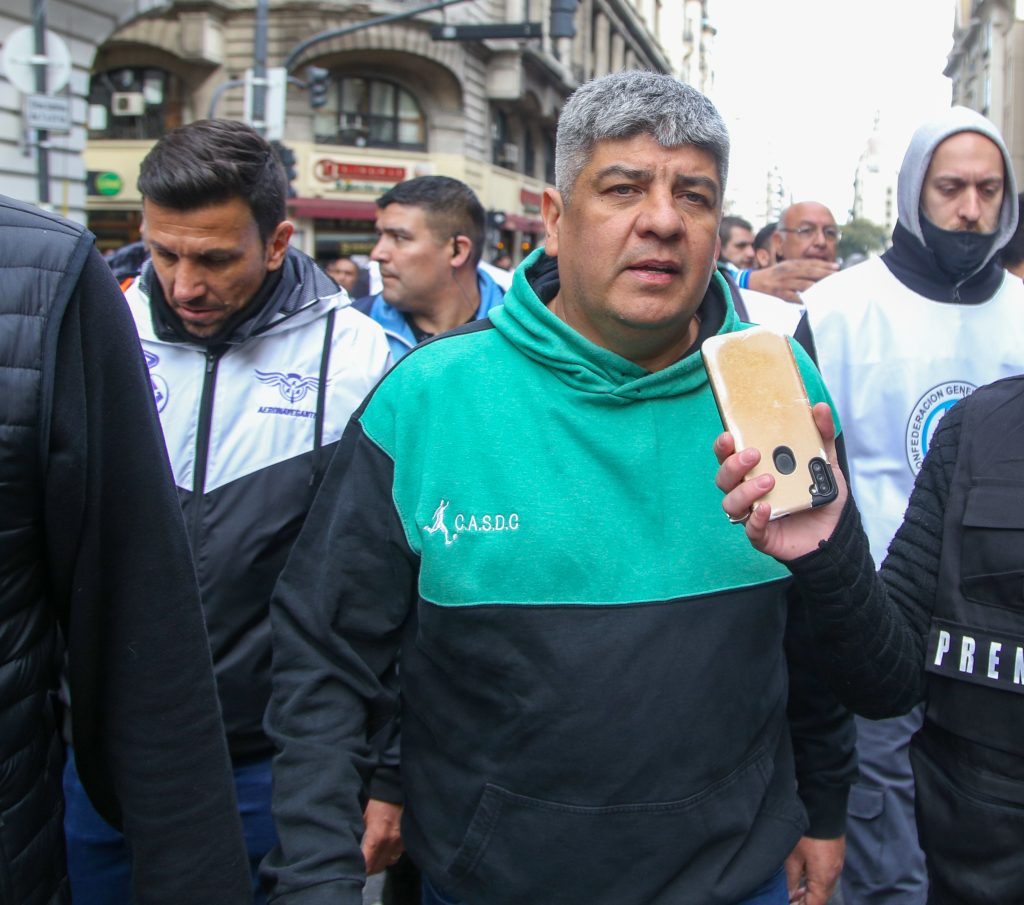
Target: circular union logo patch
926 415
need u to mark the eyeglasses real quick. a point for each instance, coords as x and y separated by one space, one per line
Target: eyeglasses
806 231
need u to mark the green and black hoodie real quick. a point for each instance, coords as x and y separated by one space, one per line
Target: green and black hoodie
520 540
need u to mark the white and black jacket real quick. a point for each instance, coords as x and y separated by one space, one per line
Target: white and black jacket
250 425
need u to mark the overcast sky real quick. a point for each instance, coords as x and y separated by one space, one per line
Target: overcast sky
800 82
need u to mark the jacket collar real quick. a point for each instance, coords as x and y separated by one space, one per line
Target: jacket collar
915 266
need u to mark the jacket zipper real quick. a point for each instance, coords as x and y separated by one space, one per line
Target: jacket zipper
203 443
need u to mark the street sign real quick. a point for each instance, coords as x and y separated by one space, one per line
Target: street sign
100 182
108 183
18 60
50 113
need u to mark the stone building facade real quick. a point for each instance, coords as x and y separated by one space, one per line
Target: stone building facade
400 100
81 26
986 66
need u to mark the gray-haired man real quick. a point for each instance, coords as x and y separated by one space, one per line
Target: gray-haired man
593 686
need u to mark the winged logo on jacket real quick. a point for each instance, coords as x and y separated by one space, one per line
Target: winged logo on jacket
292 386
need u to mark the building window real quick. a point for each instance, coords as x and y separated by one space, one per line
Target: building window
549 159
504 151
136 102
371 113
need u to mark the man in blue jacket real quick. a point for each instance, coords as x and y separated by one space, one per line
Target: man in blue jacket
430 238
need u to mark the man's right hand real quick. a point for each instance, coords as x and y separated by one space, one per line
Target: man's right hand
789 278
382 836
795 535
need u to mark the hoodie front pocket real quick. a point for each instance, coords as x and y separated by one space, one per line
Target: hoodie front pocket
518 847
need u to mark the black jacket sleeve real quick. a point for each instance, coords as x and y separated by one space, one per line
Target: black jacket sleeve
338 614
875 626
149 740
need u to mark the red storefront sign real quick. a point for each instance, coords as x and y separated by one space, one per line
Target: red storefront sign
328 170
530 201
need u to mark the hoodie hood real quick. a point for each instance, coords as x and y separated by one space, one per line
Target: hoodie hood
528 324
297 292
919 155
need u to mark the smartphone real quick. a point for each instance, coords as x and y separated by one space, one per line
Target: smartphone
763 403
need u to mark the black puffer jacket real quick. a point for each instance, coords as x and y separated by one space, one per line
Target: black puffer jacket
92 549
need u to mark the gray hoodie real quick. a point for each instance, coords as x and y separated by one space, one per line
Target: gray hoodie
919 155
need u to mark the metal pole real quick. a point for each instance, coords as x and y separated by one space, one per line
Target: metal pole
218 93
42 135
259 69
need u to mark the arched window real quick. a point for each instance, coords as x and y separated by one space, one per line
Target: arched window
135 102
371 113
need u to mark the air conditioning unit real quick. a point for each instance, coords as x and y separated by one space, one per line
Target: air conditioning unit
127 103
352 122
509 153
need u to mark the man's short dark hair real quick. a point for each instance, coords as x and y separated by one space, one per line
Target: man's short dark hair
451 206
212 161
729 224
764 235
1012 254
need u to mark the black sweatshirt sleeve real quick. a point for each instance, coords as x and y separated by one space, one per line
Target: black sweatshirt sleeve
338 613
874 627
822 732
149 740
821 728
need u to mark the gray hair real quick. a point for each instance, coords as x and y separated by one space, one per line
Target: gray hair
627 104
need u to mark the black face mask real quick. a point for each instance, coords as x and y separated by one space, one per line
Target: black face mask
958 253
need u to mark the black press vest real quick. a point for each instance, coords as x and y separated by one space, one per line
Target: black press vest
969 756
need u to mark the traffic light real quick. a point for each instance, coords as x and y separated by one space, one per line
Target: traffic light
563 15
319 82
287 157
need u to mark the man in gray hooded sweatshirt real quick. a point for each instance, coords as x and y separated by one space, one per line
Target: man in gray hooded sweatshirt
899 340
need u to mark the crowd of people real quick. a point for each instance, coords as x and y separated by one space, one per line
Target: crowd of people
312 573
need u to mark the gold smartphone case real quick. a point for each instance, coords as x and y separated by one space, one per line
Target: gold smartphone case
763 403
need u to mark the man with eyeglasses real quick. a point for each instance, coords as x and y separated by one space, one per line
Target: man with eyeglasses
803 248
806 230
899 340
797 252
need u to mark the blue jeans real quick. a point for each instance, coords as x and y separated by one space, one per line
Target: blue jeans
773 892
99 862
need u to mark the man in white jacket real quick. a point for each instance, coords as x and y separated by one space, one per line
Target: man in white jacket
256 360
